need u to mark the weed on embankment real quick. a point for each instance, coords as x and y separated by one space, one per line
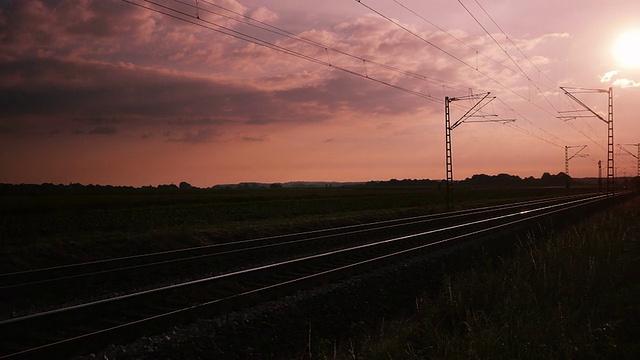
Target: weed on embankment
570 295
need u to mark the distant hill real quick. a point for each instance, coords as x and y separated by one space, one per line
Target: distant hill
546 180
561 179
291 184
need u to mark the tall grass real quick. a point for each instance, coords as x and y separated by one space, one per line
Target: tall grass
571 295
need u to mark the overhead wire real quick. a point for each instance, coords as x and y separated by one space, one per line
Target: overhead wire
457 58
478 52
533 64
288 34
504 49
198 21
533 124
257 41
396 23
522 72
556 85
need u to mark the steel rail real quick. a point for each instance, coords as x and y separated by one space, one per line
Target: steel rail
11 281
21 299
503 222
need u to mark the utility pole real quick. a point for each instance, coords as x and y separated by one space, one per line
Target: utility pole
576 154
480 103
570 91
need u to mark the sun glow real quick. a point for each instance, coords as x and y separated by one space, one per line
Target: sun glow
627 49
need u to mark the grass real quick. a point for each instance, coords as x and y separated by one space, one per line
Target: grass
47 230
570 295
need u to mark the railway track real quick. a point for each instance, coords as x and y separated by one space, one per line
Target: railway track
207 281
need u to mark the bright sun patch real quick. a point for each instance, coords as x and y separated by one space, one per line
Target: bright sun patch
627 49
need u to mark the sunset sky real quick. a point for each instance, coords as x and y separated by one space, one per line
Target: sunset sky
107 92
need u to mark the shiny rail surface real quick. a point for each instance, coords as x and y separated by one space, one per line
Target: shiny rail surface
335 253
67 272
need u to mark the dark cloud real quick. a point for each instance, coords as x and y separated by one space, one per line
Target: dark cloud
63 26
7 130
100 130
120 94
198 137
200 122
260 138
104 130
71 67
53 89
98 120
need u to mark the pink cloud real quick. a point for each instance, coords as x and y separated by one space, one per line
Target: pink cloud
626 83
264 14
113 69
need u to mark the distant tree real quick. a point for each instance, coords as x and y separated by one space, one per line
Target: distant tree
561 179
275 186
167 187
185 185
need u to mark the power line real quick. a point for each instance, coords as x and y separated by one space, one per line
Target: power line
526 132
522 72
290 35
478 52
255 40
504 49
454 57
198 21
463 62
556 85
520 116
517 47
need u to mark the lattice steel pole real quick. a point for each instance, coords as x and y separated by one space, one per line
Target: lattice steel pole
608 121
447 125
566 160
567 157
611 181
471 113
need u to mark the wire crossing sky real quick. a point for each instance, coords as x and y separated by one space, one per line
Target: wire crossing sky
135 92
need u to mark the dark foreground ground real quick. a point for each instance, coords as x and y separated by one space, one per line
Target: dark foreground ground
561 292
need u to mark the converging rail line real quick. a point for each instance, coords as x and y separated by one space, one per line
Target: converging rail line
230 276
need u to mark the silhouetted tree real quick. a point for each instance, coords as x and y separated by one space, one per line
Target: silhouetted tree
185 185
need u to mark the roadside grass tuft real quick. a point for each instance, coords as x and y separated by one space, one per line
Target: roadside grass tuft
570 295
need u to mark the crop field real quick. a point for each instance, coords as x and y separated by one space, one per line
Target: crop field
46 230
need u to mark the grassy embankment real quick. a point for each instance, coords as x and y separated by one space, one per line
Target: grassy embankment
570 295
47 230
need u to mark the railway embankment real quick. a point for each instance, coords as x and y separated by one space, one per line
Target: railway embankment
563 290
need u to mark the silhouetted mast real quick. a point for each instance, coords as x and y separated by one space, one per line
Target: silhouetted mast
576 154
570 91
480 103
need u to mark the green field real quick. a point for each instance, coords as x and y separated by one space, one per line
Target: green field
51 229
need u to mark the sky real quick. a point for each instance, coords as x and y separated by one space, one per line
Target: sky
225 91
